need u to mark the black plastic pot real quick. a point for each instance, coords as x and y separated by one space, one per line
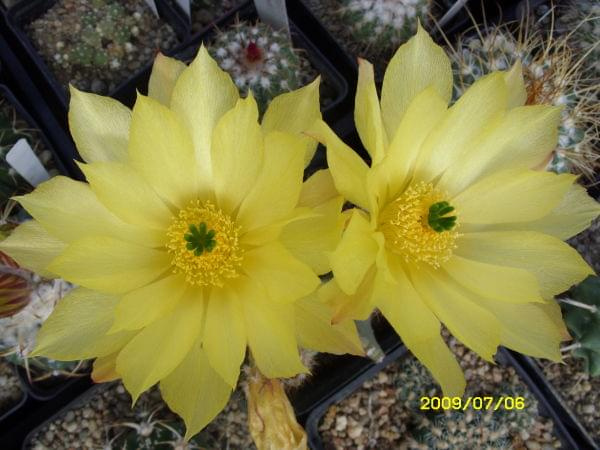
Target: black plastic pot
569 433
49 388
26 12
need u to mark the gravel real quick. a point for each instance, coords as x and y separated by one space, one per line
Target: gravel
206 12
385 414
10 387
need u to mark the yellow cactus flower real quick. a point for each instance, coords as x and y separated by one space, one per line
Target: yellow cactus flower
193 238
452 225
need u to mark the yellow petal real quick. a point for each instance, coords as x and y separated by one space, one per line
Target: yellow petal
195 391
312 239
277 188
555 264
284 278
422 115
202 94
571 216
512 196
32 247
143 306
158 349
507 284
483 102
237 153
355 253
69 210
225 346
316 332
471 324
269 233
164 75
127 195
420 331
317 189
349 172
161 150
521 139
271 332
357 306
517 94
104 369
418 64
77 328
367 113
294 112
529 328
99 126
109 265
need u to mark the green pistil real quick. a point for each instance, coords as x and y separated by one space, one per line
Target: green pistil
436 219
200 239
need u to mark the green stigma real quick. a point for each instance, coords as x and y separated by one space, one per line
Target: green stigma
436 219
200 239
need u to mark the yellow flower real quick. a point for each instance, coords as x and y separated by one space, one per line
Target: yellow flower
452 225
194 239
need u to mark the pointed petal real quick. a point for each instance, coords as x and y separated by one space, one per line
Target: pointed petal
237 153
271 332
317 189
418 64
141 307
349 172
507 284
159 348
367 113
225 346
482 103
164 75
127 195
69 210
161 150
512 196
77 328
521 139
555 264
316 332
294 112
195 391
285 278
283 168
517 94
358 306
202 94
99 126
32 247
312 239
104 369
420 331
355 253
109 265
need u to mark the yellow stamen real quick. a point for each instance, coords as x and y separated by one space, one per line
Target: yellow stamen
404 223
208 268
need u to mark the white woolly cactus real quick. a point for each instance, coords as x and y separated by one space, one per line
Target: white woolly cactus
553 75
259 59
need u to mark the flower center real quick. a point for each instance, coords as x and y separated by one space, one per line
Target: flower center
417 225
203 241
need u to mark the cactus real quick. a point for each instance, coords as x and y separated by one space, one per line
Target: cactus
259 59
553 75
582 316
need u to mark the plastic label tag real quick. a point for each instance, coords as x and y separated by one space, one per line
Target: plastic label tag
186 6
25 162
152 6
273 13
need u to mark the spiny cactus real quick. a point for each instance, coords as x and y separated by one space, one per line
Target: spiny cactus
259 59
582 316
553 75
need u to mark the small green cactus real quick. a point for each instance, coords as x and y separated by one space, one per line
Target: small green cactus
552 76
582 316
259 59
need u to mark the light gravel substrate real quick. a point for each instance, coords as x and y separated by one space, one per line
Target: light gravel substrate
10 387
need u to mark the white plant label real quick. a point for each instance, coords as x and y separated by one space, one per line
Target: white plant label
273 13
25 162
152 6
186 6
